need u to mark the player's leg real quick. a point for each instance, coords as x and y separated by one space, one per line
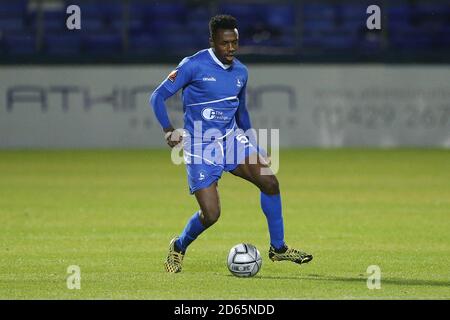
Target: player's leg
270 198
208 200
271 205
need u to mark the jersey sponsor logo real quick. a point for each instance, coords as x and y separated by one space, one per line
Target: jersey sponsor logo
173 75
209 79
208 114
211 114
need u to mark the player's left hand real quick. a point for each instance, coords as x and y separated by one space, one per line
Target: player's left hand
173 138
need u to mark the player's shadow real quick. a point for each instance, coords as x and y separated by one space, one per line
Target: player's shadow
394 281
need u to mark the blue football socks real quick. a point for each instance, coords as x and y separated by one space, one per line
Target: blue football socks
271 206
191 231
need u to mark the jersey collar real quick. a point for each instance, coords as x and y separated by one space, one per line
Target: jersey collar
224 66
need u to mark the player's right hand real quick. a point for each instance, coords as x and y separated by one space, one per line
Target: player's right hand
174 137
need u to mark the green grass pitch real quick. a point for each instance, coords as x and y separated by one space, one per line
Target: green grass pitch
112 213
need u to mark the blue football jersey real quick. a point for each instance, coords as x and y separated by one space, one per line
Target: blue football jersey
211 92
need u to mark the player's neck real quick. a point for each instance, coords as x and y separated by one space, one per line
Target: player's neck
217 60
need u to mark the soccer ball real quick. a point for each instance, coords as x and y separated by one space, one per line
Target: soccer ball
244 260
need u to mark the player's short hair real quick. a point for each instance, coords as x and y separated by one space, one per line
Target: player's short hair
221 21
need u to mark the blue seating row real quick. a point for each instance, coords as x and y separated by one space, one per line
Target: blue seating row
168 27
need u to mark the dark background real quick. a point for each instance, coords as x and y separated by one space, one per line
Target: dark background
136 31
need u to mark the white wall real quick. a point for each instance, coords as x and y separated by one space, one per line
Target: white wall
312 105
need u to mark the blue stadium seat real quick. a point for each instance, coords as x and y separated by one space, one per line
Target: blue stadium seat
339 41
12 9
111 9
54 20
201 42
354 11
310 41
198 26
12 24
331 40
198 13
281 16
21 43
91 24
432 8
141 10
318 25
135 26
247 14
286 40
182 26
398 10
166 27
150 11
181 40
352 25
102 43
174 10
444 37
66 43
144 43
415 40
318 11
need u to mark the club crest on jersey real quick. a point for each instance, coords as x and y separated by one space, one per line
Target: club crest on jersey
239 83
201 176
172 76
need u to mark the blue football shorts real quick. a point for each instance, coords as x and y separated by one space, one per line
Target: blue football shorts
205 161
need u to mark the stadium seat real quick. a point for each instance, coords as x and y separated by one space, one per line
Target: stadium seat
280 16
354 11
144 43
317 11
21 43
54 20
414 40
248 15
11 24
182 40
339 41
63 44
92 24
102 43
99 9
174 26
163 11
13 9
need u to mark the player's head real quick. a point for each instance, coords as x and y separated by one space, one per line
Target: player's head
224 37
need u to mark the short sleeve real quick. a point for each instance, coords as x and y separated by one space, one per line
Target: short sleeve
180 76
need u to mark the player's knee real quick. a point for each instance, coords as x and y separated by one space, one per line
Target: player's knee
270 185
210 216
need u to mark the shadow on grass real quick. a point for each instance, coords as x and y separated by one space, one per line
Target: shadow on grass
394 281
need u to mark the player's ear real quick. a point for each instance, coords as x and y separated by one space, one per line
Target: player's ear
211 41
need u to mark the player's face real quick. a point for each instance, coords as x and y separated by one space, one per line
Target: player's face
225 44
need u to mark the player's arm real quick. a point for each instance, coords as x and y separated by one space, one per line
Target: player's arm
243 120
242 115
157 101
176 80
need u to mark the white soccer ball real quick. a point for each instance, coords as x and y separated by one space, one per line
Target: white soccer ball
244 260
